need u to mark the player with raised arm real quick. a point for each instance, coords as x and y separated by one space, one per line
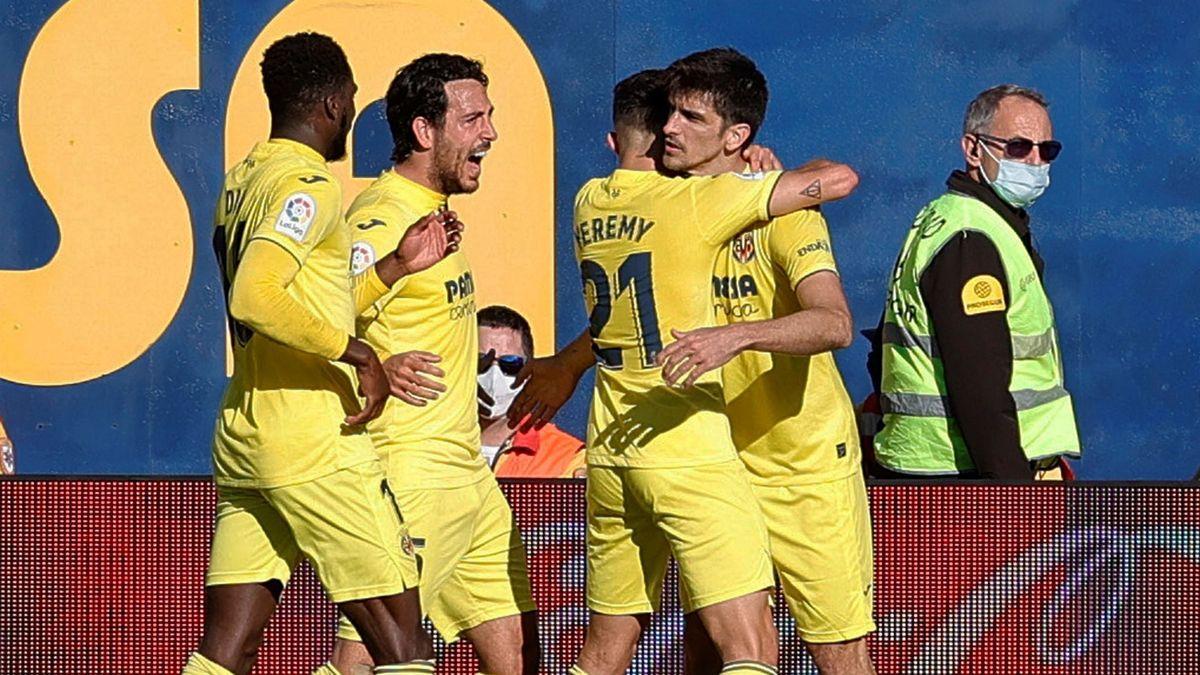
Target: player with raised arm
296 473
663 475
777 285
474 579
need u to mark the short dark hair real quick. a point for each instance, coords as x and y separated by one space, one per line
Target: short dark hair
640 100
300 70
419 90
735 85
499 316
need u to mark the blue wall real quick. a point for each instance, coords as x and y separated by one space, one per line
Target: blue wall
880 85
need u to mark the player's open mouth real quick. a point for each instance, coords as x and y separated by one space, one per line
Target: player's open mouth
670 147
477 156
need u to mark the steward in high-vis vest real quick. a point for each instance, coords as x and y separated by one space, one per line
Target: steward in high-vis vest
972 377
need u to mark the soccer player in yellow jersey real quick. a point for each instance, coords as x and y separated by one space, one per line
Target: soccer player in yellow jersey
296 472
474 582
663 475
793 424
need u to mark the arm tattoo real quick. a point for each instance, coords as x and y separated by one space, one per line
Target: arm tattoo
813 190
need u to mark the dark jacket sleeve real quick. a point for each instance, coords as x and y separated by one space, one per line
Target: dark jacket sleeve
976 352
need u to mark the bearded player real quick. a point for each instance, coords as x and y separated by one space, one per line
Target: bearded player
474 581
296 473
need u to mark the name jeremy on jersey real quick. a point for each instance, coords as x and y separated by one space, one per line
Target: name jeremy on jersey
623 226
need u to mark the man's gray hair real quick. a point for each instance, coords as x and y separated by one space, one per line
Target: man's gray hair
983 109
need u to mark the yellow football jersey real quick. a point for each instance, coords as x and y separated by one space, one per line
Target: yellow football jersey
281 418
792 419
647 245
432 311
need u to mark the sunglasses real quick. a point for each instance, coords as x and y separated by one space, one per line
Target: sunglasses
1018 148
510 364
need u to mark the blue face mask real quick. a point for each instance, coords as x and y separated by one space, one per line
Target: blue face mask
1017 183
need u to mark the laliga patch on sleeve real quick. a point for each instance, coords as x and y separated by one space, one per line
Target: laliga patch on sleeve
982 294
299 211
362 256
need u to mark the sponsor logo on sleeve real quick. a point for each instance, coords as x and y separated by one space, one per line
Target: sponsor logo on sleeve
297 216
813 247
362 256
982 294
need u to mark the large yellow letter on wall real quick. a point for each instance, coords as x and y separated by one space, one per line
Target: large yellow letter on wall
510 220
93 76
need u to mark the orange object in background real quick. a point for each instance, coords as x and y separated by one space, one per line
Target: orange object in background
548 452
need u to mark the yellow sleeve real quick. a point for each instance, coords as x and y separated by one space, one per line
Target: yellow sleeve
368 288
728 203
259 299
302 215
798 243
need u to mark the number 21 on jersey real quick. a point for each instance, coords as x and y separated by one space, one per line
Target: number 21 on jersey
623 311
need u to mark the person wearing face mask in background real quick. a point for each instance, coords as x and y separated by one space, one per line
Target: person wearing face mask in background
971 377
505 345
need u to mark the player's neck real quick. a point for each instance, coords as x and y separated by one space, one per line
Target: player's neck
635 162
301 134
418 168
722 163
494 432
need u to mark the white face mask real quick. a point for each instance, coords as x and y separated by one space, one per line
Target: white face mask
496 384
1017 183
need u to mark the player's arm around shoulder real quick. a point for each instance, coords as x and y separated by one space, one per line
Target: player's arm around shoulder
817 182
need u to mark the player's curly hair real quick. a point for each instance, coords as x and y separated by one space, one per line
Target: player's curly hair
419 90
300 70
640 101
732 81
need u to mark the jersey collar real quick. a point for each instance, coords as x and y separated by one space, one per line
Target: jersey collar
433 197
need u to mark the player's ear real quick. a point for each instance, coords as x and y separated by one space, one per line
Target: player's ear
331 107
736 137
611 141
423 131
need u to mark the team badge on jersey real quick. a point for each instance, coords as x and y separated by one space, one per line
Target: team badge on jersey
743 247
362 256
297 216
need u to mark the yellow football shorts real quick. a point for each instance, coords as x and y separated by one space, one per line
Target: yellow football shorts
345 523
705 517
472 559
821 547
